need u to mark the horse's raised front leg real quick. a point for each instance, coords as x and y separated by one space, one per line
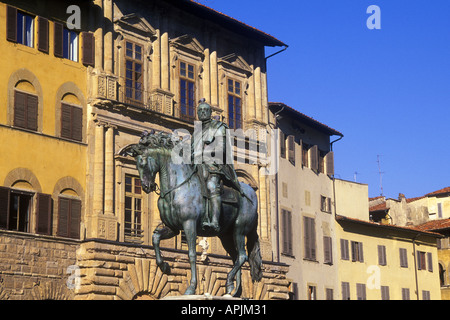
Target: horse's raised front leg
190 230
162 233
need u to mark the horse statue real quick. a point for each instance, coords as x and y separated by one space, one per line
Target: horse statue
182 206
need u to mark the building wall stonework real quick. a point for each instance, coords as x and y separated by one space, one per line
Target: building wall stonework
118 271
35 267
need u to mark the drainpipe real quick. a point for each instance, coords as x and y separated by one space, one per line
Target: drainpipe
415 265
334 178
277 215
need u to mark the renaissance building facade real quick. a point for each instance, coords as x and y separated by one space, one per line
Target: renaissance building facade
74 220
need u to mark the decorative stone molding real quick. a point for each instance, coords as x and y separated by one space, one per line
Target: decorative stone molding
22 174
51 290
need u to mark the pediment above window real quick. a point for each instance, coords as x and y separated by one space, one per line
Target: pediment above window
235 62
135 24
189 44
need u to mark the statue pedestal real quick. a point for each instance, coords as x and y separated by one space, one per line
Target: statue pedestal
200 297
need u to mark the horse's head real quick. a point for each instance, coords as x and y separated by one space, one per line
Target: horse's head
146 165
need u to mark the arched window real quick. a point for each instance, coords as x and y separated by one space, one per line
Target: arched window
71 118
25 106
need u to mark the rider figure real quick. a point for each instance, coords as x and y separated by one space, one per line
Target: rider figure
210 145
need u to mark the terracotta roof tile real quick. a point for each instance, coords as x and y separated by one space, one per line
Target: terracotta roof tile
445 190
378 207
434 225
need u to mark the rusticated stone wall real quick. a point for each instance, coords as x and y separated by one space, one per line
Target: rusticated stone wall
35 267
113 271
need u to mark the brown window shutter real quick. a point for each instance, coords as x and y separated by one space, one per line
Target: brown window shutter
289 232
63 217
329 160
20 109
4 207
314 156
88 48
44 214
430 261
360 252
66 121
75 219
42 34
282 145
32 112
58 36
284 230
328 257
77 123
11 23
291 149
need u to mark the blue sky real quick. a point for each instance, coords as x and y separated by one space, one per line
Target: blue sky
387 90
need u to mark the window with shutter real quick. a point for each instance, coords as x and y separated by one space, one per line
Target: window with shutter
314 154
344 250
329 161
71 122
25 110
345 286
58 39
43 34
309 238
421 261
44 214
405 294
357 251
88 48
382 255
286 221
403 258
291 149
282 144
11 23
430 261
328 252
305 156
69 218
385 293
4 207
361 291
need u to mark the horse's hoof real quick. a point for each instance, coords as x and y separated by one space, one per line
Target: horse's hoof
165 268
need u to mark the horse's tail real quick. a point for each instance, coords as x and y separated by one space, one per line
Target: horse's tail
254 252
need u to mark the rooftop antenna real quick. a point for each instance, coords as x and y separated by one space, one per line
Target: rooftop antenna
380 173
354 175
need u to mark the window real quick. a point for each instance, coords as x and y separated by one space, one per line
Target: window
66 42
382 255
312 293
133 209
430 261
187 91
345 286
421 261
133 73
305 158
403 258
405 294
25 110
20 27
357 251
16 208
426 295
344 250
360 291
322 155
282 144
25 29
234 104
439 208
325 204
71 122
309 238
69 217
385 293
291 149
327 250
329 294
286 225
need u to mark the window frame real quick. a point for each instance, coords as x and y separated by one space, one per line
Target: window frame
134 60
310 243
234 96
135 232
287 236
188 93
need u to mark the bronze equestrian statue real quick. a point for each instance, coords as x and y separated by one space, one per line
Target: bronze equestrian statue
187 192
